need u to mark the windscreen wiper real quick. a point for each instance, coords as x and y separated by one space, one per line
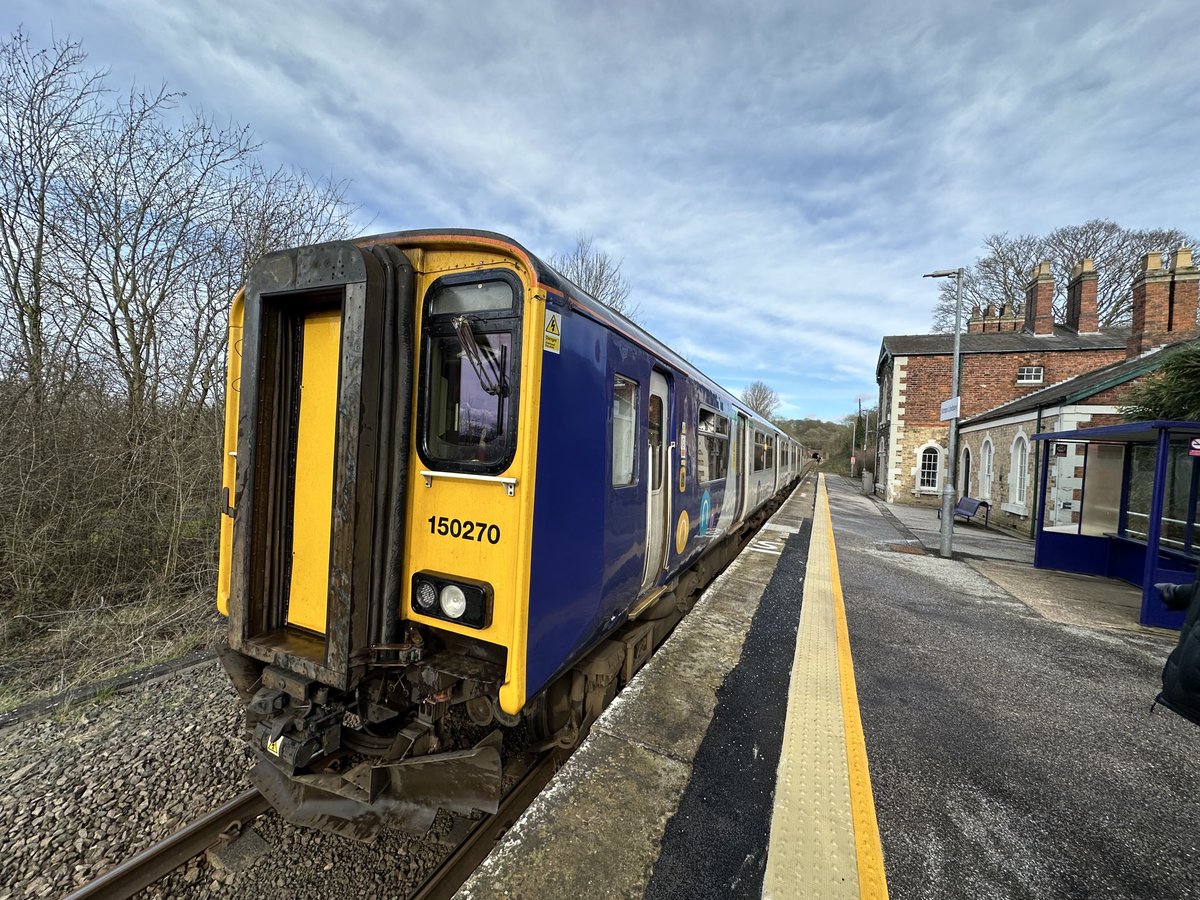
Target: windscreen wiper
487 369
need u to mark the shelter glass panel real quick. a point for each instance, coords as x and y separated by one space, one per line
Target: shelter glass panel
1141 491
1179 512
1102 491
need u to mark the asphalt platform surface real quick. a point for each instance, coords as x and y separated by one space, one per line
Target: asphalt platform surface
715 845
1011 754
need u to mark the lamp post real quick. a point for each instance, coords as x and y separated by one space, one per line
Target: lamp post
952 443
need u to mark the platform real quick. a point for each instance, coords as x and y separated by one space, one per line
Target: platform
677 782
1005 728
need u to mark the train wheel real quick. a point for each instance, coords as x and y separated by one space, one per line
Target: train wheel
552 711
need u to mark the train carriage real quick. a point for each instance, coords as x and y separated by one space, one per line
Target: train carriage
453 479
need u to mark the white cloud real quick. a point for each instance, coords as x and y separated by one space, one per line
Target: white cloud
775 176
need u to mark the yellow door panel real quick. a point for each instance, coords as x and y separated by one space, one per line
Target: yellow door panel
312 499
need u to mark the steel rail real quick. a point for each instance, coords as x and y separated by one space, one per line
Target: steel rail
467 856
166 856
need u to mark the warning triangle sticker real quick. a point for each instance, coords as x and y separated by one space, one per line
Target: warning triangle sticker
552 325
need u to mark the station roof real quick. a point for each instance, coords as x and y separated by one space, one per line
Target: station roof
1125 433
1072 390
1004 342
942 344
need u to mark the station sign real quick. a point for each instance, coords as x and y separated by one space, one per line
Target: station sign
1060 449
1194 450
950 408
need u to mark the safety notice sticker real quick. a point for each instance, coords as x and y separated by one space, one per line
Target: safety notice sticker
553 336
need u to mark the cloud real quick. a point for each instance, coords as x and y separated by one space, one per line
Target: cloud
775 176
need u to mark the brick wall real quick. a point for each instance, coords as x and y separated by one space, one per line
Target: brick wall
987 379
990 379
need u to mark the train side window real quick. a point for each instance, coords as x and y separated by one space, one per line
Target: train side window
712 451
769 451
624 431
760 451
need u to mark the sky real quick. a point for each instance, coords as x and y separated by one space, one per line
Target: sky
775 177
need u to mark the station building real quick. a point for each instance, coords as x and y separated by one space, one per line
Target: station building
1021 374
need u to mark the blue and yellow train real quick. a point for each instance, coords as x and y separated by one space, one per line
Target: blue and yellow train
456 485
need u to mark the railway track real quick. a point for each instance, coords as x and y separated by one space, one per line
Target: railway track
154 862
466 858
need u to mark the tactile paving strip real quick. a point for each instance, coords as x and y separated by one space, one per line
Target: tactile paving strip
813 849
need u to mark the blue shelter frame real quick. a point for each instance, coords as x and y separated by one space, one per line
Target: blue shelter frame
1104 538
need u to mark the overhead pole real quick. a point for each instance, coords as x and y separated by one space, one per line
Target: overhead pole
947 548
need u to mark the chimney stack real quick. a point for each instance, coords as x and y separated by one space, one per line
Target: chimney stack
1081 299
1185 291
1039 300
976 322
1164 302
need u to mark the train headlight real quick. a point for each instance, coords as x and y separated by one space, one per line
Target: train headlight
426 595
453 601
463 601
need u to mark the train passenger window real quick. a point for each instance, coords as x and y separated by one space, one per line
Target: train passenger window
624 431
656 442
769 451
760 451
712 451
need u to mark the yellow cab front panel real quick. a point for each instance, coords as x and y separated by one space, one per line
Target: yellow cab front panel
475 415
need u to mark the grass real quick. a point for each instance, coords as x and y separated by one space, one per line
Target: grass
66 649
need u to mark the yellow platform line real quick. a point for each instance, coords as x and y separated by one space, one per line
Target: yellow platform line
871 876
824 836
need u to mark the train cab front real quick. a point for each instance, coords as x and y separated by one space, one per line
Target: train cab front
373 555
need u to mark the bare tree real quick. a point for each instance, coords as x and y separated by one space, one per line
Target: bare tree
48 106
999 277
125 231
760 398
151 201
598 274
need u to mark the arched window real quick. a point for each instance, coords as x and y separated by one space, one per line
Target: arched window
985 471
965 478
927 477
1019 472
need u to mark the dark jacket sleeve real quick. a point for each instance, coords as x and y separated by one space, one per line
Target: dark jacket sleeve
1181 596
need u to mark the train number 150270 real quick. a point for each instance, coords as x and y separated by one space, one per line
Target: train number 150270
468 531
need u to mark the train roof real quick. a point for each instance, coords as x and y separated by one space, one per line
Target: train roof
553 280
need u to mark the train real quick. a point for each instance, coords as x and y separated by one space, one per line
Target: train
457 489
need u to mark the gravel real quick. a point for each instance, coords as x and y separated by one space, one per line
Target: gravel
86 787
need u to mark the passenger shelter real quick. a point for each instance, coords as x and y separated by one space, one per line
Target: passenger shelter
1134 515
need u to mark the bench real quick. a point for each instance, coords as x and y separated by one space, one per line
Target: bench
968 506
